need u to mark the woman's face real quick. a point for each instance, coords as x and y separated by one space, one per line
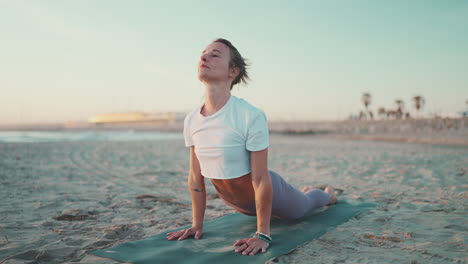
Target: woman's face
214 64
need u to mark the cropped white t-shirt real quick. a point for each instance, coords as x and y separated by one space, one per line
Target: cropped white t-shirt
223 141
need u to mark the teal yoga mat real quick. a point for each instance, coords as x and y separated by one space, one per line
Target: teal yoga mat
220 234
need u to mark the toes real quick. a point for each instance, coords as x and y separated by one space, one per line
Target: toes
330 190
333 201
338 191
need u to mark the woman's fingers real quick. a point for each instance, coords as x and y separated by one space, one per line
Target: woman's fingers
251 246
241 241
248 250
185 234
173 235
175 232
238 242
239 249
254 251
198 234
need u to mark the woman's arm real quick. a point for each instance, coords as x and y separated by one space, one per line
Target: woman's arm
261 182
196 183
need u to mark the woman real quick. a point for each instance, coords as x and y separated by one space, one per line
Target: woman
228 140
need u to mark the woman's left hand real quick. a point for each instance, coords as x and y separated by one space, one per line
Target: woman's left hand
251 245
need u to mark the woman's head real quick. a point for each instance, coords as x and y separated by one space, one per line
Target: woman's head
221 61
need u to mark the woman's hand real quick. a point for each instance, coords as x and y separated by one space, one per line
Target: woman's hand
184 233
251 245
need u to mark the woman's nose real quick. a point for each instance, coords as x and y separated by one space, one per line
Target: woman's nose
203 57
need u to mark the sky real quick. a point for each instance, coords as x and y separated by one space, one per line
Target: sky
65 61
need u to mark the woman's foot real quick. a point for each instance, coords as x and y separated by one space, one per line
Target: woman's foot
331 192
328 189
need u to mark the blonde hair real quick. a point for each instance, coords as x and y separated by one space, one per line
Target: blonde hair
236 61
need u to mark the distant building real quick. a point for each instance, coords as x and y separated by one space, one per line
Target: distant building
133 117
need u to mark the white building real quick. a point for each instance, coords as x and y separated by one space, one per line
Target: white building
135 117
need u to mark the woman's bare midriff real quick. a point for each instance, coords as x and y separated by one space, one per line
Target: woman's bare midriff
237 192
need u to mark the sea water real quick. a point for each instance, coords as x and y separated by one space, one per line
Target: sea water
60 136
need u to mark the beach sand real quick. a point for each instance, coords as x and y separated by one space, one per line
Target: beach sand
60 200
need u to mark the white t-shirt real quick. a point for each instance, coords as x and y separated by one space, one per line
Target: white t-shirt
223 141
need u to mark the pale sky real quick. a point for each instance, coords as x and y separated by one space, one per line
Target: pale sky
310 60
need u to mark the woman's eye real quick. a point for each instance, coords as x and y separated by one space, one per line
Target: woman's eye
215 55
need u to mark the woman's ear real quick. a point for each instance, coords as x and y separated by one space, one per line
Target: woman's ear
234 72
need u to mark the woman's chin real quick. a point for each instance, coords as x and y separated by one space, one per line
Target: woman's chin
206 78
202 76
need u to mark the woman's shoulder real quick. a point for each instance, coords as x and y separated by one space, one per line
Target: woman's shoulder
246 107
190 114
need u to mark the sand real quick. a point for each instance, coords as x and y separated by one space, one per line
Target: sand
60 200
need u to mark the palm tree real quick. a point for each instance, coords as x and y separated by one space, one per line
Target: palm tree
465 113
400 105
366 100
381 111
361 115
418 102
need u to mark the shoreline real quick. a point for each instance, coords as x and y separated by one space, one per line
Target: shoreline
446 131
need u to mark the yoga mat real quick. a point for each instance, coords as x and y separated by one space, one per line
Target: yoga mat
220 234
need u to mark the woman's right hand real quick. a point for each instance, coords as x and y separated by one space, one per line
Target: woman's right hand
184 233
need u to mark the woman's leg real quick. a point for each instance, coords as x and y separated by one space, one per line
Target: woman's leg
290 203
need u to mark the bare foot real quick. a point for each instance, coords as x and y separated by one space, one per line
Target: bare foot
331 192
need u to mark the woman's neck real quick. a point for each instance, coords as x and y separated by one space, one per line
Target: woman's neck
216 96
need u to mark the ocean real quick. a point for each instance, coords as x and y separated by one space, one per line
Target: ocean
68 136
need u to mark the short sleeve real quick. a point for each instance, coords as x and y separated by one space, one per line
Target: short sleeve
187 134
257 133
